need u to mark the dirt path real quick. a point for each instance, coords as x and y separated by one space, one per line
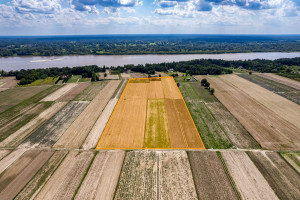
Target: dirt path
60 92
67 177
210 177
281 177
15 186
51 131
103 176
17 137
80 128
281 79
249 181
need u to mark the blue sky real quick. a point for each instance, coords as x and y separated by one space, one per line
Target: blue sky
65 17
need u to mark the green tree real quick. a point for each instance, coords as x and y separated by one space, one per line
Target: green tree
206 85
212 91
203 81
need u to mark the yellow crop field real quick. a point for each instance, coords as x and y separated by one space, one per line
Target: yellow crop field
150 114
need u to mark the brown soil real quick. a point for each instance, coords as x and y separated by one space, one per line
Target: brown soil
281 79
8 82
10 159
210 177
60 92
138 75
281 177
4 153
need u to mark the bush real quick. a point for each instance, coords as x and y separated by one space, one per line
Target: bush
206 85
212 91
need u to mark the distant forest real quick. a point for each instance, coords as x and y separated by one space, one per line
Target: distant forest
284 66
146 44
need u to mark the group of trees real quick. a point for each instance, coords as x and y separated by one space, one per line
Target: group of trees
206 84
144 44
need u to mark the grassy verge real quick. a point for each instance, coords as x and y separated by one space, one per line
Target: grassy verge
74 79
46 81
295 76
210 130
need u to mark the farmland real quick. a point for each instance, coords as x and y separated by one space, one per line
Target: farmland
136 139
256 115
156 118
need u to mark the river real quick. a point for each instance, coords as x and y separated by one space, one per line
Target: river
34 62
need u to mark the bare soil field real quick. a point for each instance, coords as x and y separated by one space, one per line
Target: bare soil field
91 92
10 159
76 134
285 91
284 108
14 186
13 96
138 75
156 175
67 177
102 178
281 79
248 180
4 153
269 129
74 92
139 127
156 130
293 159
162 74
281 177
8 82
42 176
21 134
52 130
60 92
210 177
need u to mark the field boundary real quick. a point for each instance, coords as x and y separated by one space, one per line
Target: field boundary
153 78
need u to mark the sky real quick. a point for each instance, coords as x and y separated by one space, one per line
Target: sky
77 17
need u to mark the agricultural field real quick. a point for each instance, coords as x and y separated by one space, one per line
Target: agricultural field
216 125
90 92
74 92
7 83
281 89
280 79
281 177
46 81
293 159
156 117
138 75
251 107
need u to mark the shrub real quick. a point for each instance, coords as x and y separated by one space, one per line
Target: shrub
203 81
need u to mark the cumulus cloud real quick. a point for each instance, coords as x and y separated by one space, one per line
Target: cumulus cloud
37 6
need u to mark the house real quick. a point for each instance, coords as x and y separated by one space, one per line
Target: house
171 70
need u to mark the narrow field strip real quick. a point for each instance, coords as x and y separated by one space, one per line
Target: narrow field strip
91 92
103 176
14 184
280 79
293 159
42 176
52 130
71 94
284 108
76 134
210 177
144 127
4 153
10 159
98 128
249 181
21 134
269 129
281 177
67 177
60 92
